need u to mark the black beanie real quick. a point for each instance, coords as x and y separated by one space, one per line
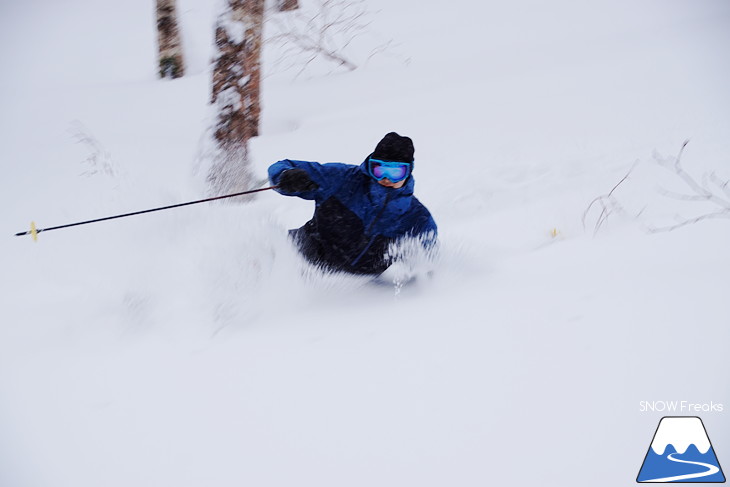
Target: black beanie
394 148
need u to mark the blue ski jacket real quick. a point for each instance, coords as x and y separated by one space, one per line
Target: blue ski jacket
355 218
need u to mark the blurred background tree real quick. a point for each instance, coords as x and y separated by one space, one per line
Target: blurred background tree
236 92
287 5
168 40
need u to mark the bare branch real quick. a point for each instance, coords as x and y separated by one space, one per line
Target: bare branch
680 196
702 192
681 151
99 160
698 192
326 32
717 214
724 186
608 202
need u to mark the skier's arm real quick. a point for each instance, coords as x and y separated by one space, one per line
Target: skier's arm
324 176
425 231
429 234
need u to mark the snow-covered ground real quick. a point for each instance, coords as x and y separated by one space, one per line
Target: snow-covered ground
192 348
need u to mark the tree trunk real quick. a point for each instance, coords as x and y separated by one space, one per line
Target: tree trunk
236 91
168 39
287 5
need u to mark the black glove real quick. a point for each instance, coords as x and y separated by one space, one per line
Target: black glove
296 181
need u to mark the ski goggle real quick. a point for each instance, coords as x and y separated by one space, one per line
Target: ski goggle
394 171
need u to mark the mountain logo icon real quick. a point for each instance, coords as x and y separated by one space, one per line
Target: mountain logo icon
680 452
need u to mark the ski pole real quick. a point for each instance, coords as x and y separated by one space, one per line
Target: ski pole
35 231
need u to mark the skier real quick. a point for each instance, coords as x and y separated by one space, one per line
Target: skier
359 210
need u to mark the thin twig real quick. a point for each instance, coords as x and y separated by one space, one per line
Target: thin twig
722 185
702 193
326 33
717 214
608 202
680 196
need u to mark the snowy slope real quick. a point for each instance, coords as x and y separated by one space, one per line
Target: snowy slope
192 348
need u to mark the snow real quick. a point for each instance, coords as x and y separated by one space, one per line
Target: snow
192 347
681 433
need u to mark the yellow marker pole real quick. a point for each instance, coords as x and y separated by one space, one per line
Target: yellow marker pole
33 231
